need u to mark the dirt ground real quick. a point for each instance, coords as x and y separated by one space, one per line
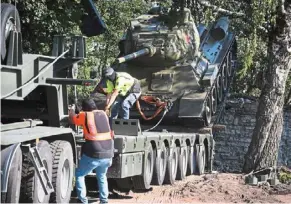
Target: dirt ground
211 188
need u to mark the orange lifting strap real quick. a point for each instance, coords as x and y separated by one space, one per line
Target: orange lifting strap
151 100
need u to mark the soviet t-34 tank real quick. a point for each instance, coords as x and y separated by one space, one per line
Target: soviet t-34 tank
184 69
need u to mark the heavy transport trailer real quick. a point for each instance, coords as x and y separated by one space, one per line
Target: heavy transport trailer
145 158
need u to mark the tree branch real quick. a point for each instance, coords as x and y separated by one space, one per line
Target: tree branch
231 13
221 10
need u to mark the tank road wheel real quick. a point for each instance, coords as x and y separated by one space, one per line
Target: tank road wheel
207 111
190 165
224 76
160 166
63 171
14 179
182 163
219 88
31 189
200 158
172 164
229 66
214 100
9 21
143 182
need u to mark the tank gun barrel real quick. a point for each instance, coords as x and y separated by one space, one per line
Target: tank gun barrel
149 50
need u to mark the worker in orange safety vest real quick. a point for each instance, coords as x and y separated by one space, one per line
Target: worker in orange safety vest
97 151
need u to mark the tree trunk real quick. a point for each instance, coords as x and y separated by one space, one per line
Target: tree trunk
269 154
263 150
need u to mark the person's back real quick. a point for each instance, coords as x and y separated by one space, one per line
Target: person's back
98 150
97 133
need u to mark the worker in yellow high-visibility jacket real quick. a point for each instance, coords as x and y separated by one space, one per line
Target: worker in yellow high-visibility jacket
122 91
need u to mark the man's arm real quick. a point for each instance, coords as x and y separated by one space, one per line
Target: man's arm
71 114
108 96
74 118
100 87
112 99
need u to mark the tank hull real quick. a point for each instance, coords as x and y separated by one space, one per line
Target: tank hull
182 85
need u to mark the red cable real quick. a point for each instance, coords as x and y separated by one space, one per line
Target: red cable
151 100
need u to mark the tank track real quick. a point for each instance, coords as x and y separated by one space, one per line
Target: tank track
220 89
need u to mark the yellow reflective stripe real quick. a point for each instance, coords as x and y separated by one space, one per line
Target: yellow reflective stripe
98 136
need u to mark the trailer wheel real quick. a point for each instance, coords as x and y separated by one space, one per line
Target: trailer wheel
14 179
31 189
172 164
143 182
200 159
190 165
63 167
182 163
160 166
9 20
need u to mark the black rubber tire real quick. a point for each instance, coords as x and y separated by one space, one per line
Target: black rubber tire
182 163
8 11
200 159
14 179
30 185
143 182
62 157
160 166
172 165
190 165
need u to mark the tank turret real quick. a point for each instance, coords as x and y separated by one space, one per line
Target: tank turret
178 62
170 44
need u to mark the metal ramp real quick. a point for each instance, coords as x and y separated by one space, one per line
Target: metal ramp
39 168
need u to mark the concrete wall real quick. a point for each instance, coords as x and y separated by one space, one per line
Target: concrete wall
232 143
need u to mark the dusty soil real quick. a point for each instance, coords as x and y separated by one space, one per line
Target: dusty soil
211 188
